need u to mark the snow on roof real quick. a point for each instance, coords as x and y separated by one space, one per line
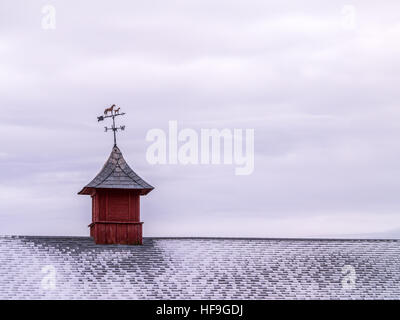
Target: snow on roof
199 268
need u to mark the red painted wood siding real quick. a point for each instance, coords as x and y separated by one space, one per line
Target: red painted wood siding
118 206
118 233
116 217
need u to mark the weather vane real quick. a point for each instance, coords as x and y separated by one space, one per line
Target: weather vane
114 112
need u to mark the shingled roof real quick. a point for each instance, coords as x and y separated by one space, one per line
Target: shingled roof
198 268
116 174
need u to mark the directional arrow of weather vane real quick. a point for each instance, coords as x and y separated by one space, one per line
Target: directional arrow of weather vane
114 112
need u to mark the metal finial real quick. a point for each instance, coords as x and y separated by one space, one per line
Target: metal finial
114 112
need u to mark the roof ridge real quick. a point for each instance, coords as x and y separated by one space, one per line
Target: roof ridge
128 173
115 146
216 238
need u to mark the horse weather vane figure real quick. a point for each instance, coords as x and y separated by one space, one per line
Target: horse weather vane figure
114 112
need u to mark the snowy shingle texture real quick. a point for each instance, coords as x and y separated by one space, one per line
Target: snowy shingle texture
116 174
196 268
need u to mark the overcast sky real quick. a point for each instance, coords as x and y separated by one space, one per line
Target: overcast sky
319 87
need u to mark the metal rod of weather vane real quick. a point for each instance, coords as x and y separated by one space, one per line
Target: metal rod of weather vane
114 130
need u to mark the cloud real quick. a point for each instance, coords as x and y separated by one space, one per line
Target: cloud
323 100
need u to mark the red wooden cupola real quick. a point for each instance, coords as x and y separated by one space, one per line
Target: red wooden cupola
115 193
